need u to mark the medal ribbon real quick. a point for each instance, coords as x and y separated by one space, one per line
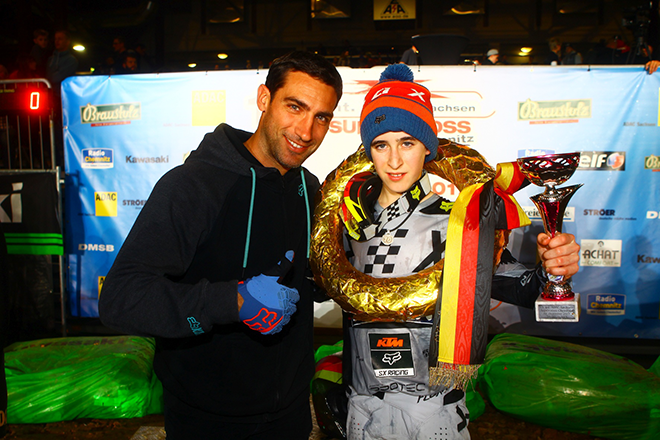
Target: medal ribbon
468 274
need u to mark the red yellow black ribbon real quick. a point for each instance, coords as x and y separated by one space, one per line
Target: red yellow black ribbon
468 273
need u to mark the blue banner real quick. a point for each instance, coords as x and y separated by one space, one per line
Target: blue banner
123 132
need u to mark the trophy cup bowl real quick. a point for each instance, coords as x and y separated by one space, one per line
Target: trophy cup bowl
549 171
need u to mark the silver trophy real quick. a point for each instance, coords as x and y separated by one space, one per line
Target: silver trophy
557 302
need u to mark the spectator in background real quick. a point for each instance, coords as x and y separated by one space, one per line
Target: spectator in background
492 57
145 63
118 48
4 73
571 56
344 59
61 64
411 57
39 51
554 57
26 68
129 63
615 51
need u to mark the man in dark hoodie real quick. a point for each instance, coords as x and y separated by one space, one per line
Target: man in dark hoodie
204 269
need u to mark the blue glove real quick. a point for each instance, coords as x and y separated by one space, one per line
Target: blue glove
268 304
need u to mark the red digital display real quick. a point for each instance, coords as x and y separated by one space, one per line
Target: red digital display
27 99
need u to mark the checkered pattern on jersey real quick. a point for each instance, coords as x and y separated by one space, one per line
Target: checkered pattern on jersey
379 254
391 212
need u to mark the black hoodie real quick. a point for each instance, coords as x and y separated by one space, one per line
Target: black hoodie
175 278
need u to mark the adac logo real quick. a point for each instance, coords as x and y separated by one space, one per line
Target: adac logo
652 163
97 158
602 160
209 107
105 204
110 114
544 112
12 212
390 343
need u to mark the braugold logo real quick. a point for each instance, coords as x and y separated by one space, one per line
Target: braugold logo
110 114
652 163
554 111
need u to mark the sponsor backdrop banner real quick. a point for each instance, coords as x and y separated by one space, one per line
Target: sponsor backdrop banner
123 132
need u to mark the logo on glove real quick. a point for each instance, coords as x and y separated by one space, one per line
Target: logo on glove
264 321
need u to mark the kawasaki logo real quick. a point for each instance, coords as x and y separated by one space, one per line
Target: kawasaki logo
537 110
157 159
110 112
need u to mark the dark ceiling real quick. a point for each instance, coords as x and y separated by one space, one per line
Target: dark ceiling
179 32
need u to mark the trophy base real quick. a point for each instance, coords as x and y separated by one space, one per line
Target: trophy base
558 311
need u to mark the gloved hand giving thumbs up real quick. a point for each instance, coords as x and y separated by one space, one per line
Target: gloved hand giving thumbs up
267 304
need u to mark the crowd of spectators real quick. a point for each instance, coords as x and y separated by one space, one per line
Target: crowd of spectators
615 51
51 57
56 61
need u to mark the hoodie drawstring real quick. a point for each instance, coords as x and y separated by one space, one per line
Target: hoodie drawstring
249 225
309 221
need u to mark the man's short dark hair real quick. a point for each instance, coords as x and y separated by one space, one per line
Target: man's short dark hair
40 33
129 54
306 62
66 33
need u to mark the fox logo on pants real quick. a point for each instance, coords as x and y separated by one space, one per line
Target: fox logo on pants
264 321
391 358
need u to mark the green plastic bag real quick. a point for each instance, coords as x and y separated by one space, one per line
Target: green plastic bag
52 380
655 368
571 388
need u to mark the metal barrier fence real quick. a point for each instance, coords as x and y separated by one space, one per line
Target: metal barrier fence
27 146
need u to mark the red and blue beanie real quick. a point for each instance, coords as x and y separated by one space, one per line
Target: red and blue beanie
397 103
